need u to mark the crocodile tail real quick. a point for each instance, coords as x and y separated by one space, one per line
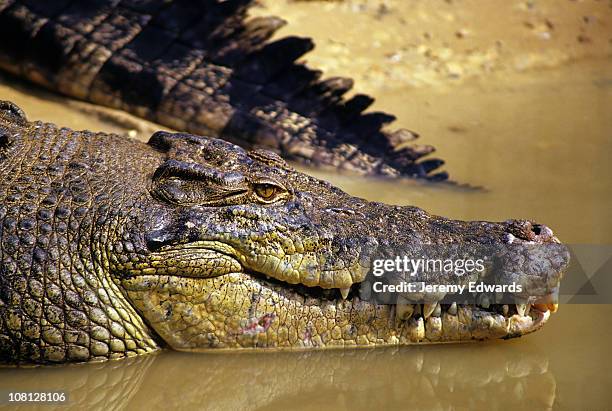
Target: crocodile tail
204 67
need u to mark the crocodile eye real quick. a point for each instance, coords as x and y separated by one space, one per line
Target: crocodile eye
267 191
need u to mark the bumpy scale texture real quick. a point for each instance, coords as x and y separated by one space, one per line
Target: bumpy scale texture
56 302
204 67
110 247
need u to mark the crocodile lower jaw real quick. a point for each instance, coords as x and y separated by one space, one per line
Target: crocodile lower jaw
246 310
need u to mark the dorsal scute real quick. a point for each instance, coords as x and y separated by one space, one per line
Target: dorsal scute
12 112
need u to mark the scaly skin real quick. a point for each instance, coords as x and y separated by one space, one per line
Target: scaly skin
203 67
110 247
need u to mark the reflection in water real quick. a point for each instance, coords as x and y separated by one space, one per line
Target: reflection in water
107 386
491 377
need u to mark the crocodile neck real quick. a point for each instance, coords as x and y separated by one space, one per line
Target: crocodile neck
57 302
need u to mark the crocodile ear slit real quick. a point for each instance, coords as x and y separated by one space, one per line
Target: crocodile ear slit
183 183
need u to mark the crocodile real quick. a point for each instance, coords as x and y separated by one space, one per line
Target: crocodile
206 68
112 247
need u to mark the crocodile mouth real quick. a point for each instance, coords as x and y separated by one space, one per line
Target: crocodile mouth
205 260
516 319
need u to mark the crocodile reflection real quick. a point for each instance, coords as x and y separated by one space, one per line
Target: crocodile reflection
435 377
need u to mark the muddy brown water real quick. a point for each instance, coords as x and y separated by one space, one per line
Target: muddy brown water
537 138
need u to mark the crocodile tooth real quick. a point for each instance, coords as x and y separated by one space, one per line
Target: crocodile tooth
541 307
404 311
452 309
428 309
437 312
505 309
345 292
520 309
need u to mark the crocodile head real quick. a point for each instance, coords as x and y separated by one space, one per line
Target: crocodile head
236 249
109 246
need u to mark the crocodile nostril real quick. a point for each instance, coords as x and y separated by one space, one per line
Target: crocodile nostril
539 232
544 232
528 231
